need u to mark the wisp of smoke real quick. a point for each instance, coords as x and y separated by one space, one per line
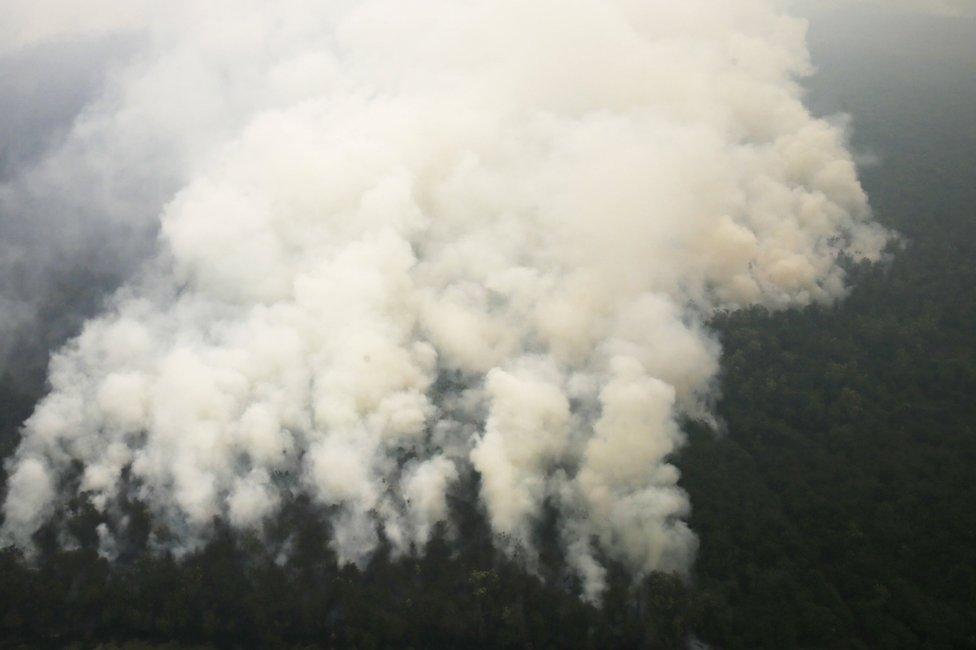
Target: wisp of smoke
423 240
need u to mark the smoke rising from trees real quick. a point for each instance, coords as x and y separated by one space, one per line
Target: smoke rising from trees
405 243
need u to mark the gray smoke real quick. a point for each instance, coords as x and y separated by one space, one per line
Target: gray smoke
62 241
545 200
949 8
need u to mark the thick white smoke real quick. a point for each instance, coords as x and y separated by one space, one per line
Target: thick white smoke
432 237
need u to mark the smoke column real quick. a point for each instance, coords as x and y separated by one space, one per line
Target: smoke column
420 241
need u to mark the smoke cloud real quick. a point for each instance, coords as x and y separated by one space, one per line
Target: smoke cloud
403 243
948 8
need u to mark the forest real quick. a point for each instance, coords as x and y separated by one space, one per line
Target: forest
835 506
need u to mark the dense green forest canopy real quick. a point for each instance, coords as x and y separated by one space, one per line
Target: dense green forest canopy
835 509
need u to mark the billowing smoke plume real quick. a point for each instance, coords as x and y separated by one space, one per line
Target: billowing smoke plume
425 240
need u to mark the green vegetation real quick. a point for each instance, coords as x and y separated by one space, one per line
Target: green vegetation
234 595
840 508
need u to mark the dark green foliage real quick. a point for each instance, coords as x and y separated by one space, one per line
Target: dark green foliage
840 508
232 594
